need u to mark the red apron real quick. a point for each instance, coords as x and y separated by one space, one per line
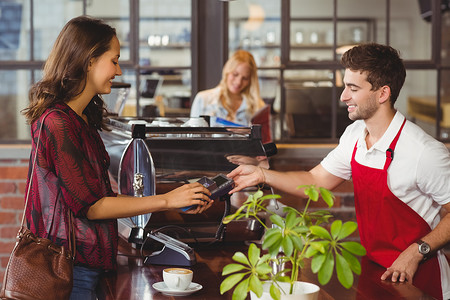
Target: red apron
387 225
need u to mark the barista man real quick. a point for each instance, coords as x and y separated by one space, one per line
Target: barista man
400 174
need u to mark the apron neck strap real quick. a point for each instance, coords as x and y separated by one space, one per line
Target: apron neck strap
390 150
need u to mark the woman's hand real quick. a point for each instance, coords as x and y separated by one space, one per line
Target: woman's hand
187 195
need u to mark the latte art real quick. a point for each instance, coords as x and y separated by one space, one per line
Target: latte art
178 271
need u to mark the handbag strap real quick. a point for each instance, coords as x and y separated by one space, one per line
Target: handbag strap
71 239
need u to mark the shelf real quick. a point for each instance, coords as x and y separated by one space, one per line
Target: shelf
292 47
177 112
161 47
424 109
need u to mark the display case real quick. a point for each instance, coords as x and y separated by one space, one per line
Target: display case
312 39
169 152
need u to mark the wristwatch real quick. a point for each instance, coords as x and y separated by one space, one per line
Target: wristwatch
424 249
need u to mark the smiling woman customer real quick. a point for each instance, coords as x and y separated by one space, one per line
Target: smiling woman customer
236 98
71 174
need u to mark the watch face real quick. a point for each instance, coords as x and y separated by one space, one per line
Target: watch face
424 248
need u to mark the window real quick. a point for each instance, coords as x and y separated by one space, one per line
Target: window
297 45
155 44
314 35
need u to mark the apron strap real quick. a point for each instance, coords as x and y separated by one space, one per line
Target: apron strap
390 150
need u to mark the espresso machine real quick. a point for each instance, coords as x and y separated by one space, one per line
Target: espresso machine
155 155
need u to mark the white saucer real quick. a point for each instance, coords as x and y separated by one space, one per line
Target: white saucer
162 287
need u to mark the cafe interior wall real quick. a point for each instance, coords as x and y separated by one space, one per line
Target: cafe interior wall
408 32
176 9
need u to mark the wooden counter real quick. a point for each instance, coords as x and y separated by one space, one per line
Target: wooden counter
133 280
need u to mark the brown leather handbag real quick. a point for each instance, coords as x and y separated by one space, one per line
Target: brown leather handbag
37 268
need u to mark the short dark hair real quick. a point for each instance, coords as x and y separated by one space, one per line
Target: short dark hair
382 64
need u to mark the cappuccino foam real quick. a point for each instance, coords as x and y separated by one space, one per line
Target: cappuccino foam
178 271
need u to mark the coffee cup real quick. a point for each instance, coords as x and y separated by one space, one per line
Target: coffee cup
177 278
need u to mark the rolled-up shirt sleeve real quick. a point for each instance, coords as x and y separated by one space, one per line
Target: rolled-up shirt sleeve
338 161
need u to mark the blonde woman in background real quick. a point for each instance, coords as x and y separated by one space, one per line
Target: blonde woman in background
236 98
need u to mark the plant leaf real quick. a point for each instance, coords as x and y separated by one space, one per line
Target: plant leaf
272 236
354 247
300 229
229 218
288 209
321 246
287 245
270 196
277 220
263 269
241 290
232 268
310 251
344 273
240 209
275 292
353 262
258 194
327 196
241 258
326 271
263 259
297 242
253 254
317 262
230 281
275 248
320 232
320 213
255 285
336 228
290 219
347 229
312 193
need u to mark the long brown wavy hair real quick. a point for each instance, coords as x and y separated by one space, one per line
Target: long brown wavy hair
65 71
251 91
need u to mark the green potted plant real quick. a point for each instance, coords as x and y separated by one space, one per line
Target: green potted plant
296 236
